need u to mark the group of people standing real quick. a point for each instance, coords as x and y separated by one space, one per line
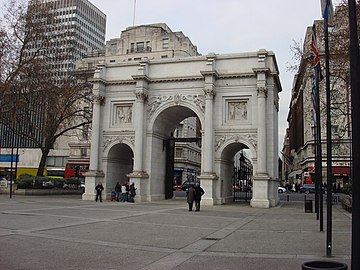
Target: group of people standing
193 194
125 192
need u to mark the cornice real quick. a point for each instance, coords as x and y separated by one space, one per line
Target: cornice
170 79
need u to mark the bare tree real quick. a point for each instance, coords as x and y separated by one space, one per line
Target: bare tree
38 103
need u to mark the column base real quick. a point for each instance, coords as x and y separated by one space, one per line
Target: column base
92 178
265 193
141 180
208 182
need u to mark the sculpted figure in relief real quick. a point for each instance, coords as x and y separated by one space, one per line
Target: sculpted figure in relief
237 111
124 114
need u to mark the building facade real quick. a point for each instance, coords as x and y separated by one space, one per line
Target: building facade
299 145
78 28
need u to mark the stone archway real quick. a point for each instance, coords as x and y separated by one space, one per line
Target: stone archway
234 96
119 163
227 147
162 123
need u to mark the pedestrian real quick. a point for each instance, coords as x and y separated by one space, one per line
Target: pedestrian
132 192
99 188
118 191
198 193
190 196
124 193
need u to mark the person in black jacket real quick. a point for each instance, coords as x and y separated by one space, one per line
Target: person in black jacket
198 193
118 191
99 188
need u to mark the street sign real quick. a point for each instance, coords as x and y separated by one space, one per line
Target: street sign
9 158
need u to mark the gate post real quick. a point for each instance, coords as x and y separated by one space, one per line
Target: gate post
92 178
141 180
208 183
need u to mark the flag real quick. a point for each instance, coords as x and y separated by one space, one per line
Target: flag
315 55
289 160
327 10
313 98
317 72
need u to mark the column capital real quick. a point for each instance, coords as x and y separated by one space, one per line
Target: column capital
262 92
209 91
141 95
98 99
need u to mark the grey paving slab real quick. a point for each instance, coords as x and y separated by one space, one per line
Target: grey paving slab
64 232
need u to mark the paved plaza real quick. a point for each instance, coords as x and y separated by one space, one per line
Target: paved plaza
65 232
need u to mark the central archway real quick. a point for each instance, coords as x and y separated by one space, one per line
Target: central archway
164 125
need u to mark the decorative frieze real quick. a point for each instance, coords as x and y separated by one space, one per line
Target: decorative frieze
118 139
155 102
250 138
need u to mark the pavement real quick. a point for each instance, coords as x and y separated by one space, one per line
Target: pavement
65 232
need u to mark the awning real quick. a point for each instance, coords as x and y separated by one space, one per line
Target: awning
341 170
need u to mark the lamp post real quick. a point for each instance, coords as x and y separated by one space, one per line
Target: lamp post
355 97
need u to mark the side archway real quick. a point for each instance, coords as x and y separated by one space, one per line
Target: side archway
118 163
225 162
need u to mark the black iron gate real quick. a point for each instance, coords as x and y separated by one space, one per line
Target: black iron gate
169 145
242 184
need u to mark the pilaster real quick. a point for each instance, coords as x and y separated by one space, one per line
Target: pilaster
141 93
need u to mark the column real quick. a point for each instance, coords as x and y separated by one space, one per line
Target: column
139 130
209 130
94 175
95 133
262 186
139 175
208 177
261 149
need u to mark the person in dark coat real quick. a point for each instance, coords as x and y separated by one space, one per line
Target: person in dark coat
198 193
99 188
118 191
132 192
190 197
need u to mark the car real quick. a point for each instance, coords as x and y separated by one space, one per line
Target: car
187 184
310 188
307 188
281 189
236 188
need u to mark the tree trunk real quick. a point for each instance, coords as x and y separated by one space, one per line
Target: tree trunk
45 151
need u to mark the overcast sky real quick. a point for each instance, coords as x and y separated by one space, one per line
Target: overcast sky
225 26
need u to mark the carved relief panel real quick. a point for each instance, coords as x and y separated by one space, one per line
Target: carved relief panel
121 114
236 111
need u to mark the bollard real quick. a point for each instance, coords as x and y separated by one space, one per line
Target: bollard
324 265
287 197
308 206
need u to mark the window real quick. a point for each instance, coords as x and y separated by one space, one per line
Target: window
56 161
165 43
140 46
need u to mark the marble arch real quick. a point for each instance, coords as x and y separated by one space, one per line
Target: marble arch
235 96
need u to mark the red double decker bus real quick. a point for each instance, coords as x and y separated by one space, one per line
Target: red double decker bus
76 168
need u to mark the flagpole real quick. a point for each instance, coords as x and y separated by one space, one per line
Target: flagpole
134 12
355 107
